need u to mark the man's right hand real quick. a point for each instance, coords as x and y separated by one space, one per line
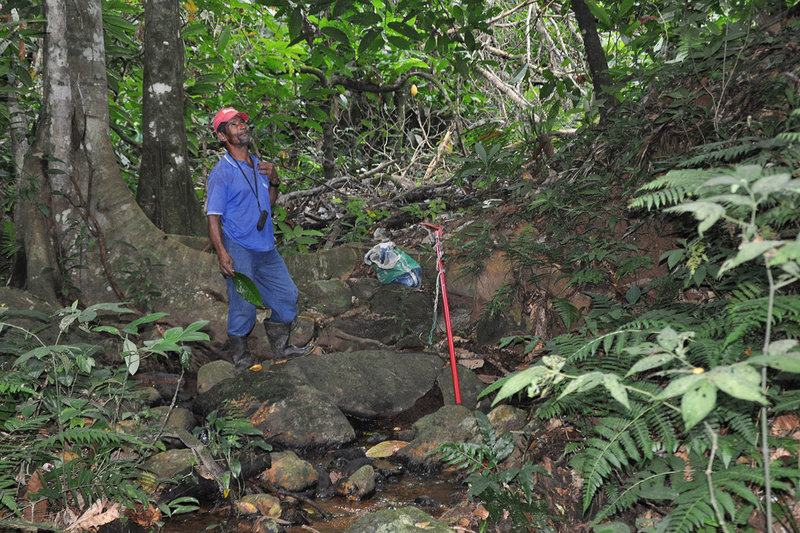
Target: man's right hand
226 264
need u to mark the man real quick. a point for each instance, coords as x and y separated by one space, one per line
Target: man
241 191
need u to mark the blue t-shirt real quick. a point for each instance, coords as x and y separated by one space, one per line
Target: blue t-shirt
232 195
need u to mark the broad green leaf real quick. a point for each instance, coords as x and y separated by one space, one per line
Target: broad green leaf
617 390
787 253
740 381
781 347
364 19
582 383
367 40
405 30
133 327
706 212
770 184
224 37
245 286
341 7
789 362
698 401
130 355
747 252
668 339
530 377
651 361
336 34
599 13
679 386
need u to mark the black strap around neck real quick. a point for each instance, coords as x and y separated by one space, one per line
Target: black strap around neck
254 186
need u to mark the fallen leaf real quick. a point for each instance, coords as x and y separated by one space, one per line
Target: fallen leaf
95 516
386 448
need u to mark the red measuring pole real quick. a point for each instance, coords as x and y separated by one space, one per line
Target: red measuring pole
449 327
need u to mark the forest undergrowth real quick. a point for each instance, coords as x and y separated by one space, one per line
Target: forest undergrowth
677 380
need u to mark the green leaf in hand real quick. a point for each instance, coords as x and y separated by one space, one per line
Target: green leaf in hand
245 286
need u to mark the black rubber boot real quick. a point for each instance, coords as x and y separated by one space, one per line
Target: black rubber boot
278 335
240 353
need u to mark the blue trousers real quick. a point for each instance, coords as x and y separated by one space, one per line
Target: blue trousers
269 273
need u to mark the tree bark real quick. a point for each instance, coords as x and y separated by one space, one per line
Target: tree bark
82 228
165 191
595 55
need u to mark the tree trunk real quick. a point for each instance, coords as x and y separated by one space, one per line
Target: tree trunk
83 233
595 55
165 191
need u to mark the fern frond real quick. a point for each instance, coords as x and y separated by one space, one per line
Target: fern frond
614 446
692 511
84 436
672 188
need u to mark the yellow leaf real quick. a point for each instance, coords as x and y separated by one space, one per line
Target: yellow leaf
386 448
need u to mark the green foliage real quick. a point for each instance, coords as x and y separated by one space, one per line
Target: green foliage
294 238
502 490
227 437
62 417
675 391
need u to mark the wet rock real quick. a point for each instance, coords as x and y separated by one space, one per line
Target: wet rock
267 525
325 488
412 310
402 520
169 465
329 296
262 504
369 383
386 468
147 395
291 473
179 417
451 423
212 373
364 288
506 418
469 385
359 485
287 410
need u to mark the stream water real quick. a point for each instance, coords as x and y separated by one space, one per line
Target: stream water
433 495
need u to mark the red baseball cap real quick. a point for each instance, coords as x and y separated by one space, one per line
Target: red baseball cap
224 115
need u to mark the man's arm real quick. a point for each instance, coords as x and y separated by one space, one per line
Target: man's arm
215 234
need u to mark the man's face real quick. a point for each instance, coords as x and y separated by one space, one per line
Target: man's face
237 132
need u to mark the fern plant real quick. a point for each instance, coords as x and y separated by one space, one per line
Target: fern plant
502 490
688 384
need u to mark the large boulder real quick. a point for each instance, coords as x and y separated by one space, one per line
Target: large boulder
336 263
451 423
369 383
329 296
287 410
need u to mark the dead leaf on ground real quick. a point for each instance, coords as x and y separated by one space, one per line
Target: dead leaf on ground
98 514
